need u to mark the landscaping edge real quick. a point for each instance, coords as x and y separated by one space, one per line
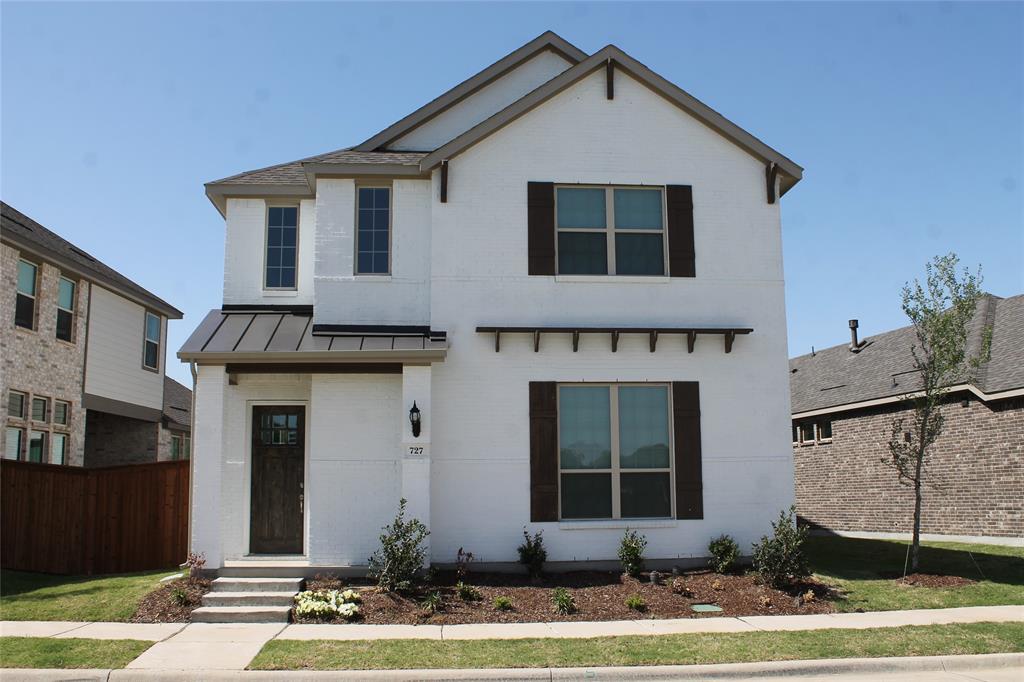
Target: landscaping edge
725 671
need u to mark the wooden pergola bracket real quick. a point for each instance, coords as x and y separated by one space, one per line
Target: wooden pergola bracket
728 334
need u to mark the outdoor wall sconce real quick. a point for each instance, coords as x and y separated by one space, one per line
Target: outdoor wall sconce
414 420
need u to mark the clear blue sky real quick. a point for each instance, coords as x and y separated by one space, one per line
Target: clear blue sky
907 118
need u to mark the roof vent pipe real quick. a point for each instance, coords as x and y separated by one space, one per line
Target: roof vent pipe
854 344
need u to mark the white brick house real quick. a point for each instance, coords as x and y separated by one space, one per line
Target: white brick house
570 266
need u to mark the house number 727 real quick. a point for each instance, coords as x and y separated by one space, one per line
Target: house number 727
415 450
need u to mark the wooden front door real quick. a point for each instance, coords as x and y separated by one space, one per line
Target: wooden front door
278 471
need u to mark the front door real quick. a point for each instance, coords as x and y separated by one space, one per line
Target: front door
278 470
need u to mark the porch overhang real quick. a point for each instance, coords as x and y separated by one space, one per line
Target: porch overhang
287 341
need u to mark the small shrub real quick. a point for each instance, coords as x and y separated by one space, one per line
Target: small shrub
397 565
717 586
724 553
326 604
679 587
809 597
462 562
636 602
563 601
532 553
467 592
780 559
180 597
502 604
431 603
631 552
765 601
195 562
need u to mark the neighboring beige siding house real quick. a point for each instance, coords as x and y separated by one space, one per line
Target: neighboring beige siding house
83 356
845 399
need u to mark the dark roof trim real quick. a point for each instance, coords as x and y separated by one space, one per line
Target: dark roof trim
218 193
376 329
546 41
121 408
145 299
267 308
691 333
790 171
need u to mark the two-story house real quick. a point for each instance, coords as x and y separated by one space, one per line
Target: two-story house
83 352
550 298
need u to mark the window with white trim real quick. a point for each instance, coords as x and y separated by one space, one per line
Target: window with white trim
610 230
25 305
151 342
12 446
66 309
823 430
373 231
282 247
615 453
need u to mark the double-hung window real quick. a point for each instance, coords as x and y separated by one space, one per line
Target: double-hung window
373 233
40 409
12 446
16 404
37 446
58 448
25 306
615 459
282 241
175 448
65 309
151 342
610 230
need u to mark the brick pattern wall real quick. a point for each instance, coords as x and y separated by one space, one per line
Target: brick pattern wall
976 468
36 363
112 440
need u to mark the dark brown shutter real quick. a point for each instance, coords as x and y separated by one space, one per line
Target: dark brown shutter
540 202
686 426
681 255
543 451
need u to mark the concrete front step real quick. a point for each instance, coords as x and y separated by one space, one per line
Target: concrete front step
256 585
241 614
248 598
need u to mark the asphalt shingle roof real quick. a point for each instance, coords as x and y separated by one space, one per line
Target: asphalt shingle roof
177 402
18 226
292 173
884 367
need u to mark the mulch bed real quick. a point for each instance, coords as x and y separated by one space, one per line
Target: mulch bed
598 596
167 605
929 580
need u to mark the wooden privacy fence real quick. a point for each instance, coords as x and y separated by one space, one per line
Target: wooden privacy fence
69 520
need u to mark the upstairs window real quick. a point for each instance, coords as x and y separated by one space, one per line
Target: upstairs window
25 307
151 344
282 238
61 412
16 404
40 409
373 233
610 231
65 309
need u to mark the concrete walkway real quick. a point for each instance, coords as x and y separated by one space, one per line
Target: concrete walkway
226 646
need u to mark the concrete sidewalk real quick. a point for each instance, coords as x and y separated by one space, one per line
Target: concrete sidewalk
984 668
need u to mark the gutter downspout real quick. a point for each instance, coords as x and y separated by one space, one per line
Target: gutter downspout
191 449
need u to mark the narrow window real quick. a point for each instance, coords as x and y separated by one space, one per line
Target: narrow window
58 448
796 433
25 307
40 409
373 234
151 349
825 431
16 405
187 451
614 452
282 236
61 412
12 446
610 230
37 446
807 433
175 448
65 309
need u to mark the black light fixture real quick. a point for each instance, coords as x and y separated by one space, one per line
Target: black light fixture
414 420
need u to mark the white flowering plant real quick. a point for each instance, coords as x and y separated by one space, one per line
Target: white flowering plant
324 604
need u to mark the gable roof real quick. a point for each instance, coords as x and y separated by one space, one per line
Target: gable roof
791 172
835 377
29 236
545 41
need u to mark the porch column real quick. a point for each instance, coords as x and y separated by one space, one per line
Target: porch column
416 450
207 463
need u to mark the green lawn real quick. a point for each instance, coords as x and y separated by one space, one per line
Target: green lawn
46 652
863 570
39 596
975 638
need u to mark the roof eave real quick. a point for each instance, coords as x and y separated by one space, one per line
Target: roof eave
218 193
302 357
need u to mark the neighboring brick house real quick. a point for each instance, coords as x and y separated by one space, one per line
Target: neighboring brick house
83 352
844 401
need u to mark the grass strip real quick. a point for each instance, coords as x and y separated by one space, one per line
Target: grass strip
929 640
39 596
49 652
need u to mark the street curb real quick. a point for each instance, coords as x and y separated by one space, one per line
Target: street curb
867 666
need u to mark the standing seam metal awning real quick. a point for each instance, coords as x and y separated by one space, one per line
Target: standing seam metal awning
286 337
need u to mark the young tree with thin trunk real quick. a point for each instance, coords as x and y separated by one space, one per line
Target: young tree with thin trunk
940 311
